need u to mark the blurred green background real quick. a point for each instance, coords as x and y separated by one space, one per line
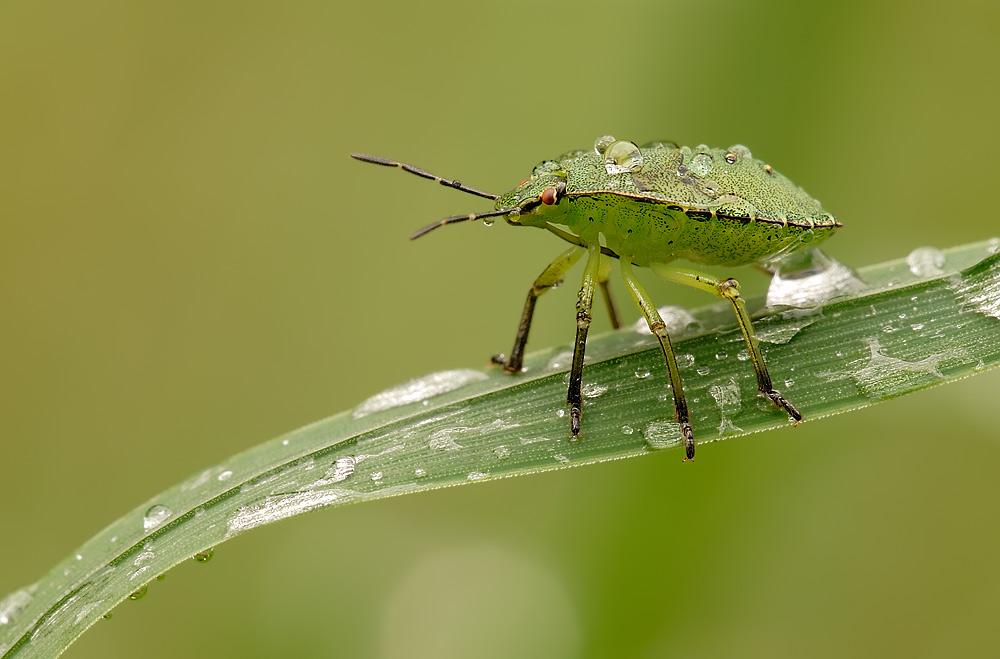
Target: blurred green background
190 264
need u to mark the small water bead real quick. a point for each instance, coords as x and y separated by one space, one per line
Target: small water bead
642 372
627 430
376 476
284 442
703 370
224 476
701 164
560 413
477 476
622 157
721 355
917 327
685 361
593 390
602 144
139 593
420 473
501 452
743 355
737 151
488 221
155 516
204 556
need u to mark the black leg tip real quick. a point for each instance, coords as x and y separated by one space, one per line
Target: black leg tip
575 416
783 403
499 360
688 441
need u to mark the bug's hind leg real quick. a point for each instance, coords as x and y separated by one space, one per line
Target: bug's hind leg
659 330
551 276
584 305
730 289
602 279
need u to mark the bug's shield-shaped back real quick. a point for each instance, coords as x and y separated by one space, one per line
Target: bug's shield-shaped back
664 173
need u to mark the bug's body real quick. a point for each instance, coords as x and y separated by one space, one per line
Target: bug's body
691 204
649 206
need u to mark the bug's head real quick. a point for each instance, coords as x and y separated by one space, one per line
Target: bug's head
545 188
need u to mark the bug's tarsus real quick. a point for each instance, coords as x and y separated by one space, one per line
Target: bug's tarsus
784 404
688 440
423 173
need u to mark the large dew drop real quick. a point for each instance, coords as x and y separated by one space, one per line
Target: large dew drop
701 164
925 262
727 398
417 390
622 158
12 605
602 143
781 327
662 434
678 320
810 278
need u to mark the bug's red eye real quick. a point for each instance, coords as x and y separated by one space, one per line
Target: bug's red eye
549 196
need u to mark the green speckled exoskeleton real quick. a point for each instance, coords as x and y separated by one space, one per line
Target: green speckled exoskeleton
649 206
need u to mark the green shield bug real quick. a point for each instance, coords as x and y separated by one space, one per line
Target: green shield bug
648 206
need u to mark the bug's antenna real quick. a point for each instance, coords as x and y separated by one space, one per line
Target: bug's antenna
458 218
385 162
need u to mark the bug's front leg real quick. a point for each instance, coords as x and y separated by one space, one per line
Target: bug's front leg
584 305
730 290
550 276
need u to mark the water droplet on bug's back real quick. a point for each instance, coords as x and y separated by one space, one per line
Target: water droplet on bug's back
701 164
602 144
622 157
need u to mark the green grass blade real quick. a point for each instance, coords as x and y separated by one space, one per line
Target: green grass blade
903 334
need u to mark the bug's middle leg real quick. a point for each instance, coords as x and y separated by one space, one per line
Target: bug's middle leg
730 289
550 276
659 330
